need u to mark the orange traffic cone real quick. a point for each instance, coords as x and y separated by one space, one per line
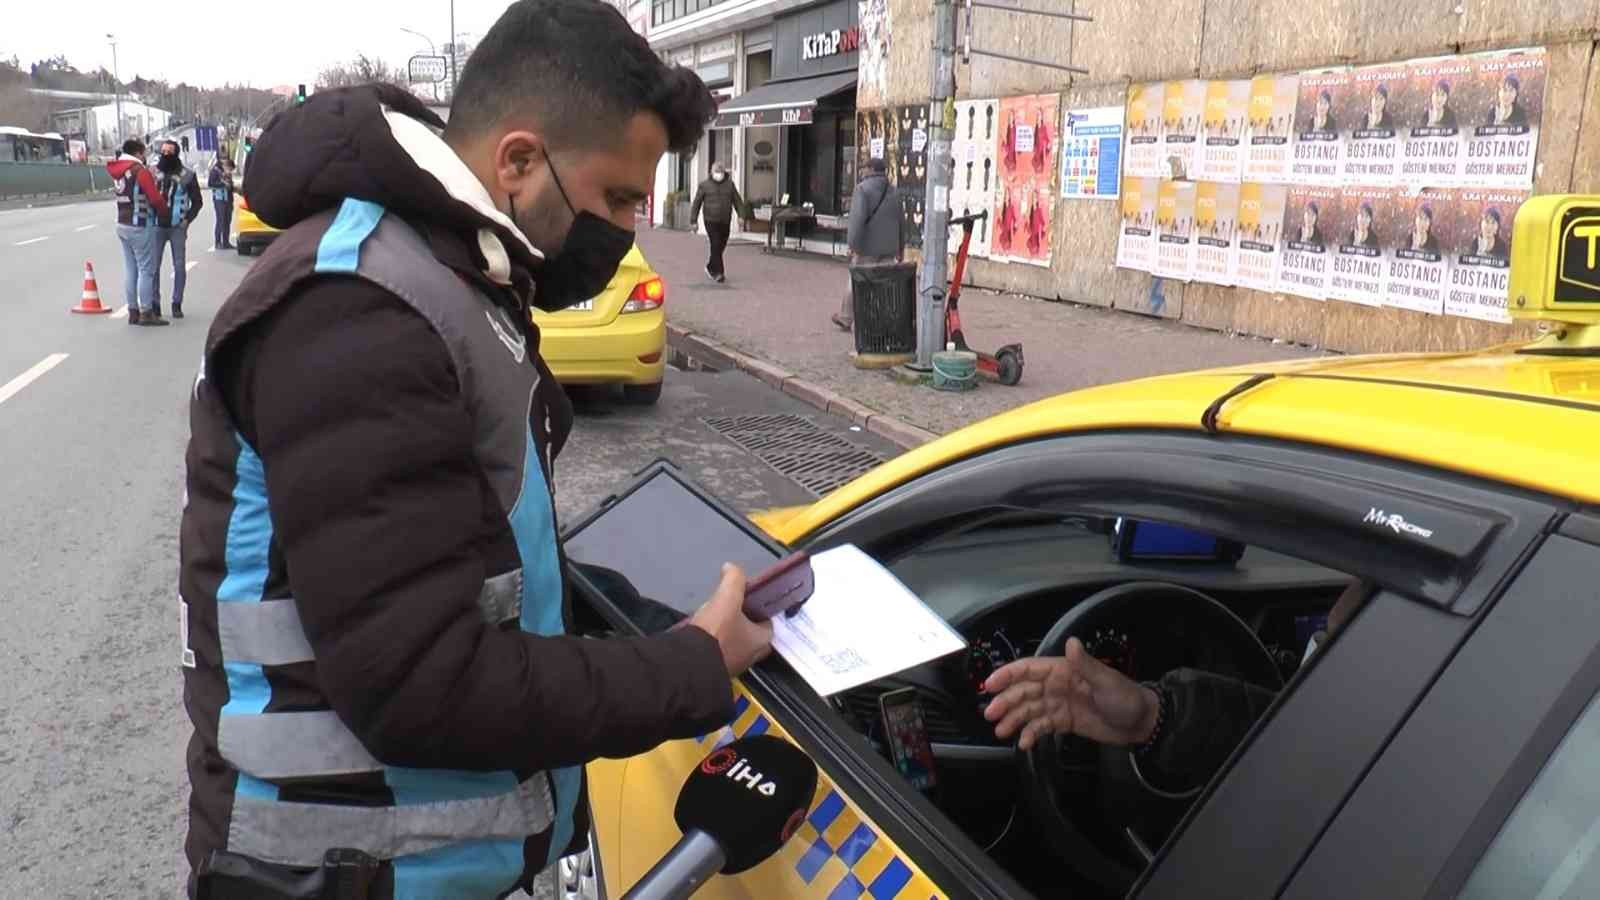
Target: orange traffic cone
90 304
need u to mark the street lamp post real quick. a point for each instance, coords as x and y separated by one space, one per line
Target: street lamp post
431 49
116 85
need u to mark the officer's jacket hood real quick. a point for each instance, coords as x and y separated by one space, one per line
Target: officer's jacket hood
380 143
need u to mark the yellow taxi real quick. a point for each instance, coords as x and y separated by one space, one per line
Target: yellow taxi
250 234
1437 744
618 336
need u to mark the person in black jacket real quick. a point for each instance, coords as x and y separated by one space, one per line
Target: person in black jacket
720 199
1183 726
220 182
375 611
875 232
181 190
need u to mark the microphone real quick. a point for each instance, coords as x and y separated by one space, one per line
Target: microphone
736 809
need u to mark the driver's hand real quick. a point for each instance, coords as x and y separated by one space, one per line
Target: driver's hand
1069 694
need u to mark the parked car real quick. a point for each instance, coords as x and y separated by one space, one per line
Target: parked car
1440 744
250 234
616 337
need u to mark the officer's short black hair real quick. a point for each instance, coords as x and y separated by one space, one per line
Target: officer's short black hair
580 72
133 147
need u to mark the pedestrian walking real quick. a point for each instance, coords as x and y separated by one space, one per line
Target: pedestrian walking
719 198
181 190
220 181
875 234
384 693
139 206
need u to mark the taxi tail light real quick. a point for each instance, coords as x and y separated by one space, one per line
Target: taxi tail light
647 295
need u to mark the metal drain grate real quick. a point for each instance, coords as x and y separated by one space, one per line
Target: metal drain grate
797 449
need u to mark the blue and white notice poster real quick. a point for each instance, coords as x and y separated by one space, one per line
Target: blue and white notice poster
1091 153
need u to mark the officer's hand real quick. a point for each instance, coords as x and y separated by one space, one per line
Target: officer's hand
744 643
1069 694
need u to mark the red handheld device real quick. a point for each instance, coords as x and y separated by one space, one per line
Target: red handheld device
780 589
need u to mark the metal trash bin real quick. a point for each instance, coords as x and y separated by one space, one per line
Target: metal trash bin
884 302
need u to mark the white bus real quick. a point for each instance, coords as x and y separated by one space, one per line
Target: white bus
22 145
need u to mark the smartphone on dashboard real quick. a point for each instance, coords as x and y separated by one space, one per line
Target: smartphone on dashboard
905 730
781 589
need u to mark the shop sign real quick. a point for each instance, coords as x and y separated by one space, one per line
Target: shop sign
830 43
782 115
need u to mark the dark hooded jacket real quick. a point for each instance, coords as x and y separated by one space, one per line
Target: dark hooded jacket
351 565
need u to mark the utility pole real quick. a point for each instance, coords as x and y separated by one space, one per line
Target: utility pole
933 276
116 85
453 50
932 280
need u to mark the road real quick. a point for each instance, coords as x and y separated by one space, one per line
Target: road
93 422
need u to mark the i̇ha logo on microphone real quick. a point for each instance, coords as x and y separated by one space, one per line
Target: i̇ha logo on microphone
719 762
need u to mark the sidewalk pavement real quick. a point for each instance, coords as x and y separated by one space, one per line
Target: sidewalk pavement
775 308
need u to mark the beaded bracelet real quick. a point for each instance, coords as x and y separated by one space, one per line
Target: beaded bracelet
1163 711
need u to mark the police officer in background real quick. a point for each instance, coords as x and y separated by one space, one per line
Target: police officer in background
181 190
220 182
376 658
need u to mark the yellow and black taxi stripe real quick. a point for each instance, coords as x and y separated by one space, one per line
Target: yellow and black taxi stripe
838 854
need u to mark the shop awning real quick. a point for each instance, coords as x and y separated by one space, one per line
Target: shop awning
782 102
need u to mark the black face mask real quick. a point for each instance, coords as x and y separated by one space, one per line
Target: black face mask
169 164
588 260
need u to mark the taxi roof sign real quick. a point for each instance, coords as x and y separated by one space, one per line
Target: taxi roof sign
1555 259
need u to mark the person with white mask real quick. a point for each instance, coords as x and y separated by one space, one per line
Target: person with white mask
718 197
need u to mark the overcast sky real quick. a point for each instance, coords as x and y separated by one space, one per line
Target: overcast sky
263 43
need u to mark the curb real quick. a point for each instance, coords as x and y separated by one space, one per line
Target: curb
697 346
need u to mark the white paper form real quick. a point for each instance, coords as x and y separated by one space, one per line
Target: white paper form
861 624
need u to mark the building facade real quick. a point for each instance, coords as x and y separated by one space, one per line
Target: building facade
783 73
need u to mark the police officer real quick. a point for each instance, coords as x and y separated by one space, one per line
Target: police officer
181 190
139 206
220 182
376 657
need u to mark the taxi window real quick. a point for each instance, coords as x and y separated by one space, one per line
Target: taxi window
1548 847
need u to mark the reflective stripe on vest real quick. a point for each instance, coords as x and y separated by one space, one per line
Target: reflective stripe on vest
307 744
299 834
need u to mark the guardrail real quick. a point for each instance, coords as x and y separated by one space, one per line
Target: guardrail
50 179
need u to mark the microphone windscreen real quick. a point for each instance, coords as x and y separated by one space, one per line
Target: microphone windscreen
750 796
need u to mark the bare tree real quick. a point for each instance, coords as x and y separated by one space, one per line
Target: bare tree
361 70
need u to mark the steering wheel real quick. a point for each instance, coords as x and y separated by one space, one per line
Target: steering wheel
1069 780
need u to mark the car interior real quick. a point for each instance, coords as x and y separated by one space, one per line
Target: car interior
1143 597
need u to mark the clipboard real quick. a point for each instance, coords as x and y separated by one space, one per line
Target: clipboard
647 556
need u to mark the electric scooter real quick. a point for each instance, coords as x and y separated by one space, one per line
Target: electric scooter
1005 364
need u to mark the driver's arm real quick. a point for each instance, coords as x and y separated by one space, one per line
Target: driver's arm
1183 727
1205 717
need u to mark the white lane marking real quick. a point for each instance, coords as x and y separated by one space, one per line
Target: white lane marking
121 313
31 241
83 228
189 267
26 378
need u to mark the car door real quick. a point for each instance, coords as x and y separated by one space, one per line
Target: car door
1246 833
1489 790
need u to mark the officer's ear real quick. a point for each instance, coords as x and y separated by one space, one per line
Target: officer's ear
518 157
